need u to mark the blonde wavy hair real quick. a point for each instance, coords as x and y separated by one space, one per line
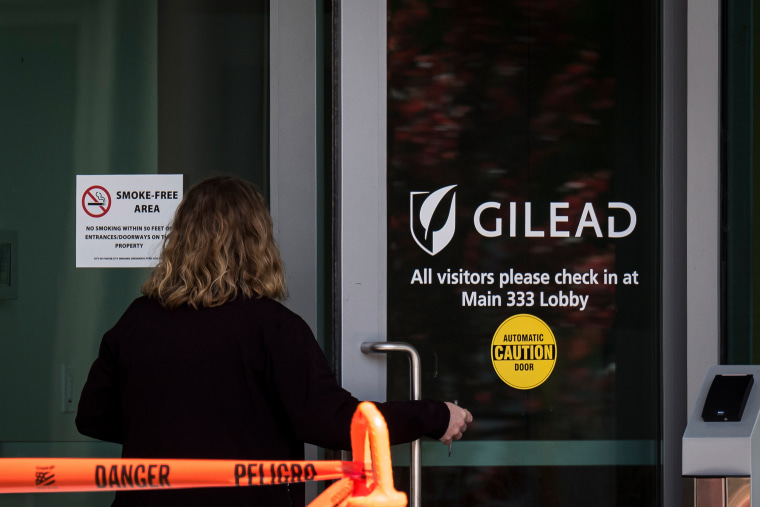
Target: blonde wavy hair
220 245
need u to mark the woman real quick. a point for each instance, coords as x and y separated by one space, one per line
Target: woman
207 363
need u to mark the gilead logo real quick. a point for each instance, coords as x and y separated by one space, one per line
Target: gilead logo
433 219
433 229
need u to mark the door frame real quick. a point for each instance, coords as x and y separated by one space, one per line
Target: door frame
359 205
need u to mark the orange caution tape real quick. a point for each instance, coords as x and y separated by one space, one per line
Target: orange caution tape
39 475
366 481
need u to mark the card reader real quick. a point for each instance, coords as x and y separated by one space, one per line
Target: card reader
727 398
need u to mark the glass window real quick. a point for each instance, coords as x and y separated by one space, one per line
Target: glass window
104 87
740 142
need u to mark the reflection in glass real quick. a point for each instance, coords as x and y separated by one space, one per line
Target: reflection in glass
548 113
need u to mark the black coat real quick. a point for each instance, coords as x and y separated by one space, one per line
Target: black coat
245 380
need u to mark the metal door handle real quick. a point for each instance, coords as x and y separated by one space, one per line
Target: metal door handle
415 470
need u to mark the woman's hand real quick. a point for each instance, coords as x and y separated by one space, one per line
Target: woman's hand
459 418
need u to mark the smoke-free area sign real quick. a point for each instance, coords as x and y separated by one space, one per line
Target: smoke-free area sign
122 220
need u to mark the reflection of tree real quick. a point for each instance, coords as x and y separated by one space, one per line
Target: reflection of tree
513 101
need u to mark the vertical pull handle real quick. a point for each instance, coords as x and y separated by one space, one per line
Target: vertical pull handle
415 470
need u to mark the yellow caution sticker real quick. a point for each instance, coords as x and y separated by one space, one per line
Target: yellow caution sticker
523 351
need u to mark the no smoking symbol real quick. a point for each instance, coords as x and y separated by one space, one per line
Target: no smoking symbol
96 201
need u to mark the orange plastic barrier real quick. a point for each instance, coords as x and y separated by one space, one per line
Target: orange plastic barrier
336 495
372 451
365 481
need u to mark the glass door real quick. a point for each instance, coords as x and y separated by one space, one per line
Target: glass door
512 150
